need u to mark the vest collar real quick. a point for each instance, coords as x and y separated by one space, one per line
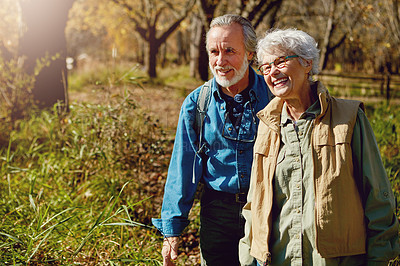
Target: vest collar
271 114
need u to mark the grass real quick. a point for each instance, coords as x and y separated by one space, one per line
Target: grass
110 75
386 126
76 189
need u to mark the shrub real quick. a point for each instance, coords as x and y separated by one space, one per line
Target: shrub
15 95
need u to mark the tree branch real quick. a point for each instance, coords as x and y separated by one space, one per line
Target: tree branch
142 31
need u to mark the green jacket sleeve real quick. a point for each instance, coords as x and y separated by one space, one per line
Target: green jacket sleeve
379 204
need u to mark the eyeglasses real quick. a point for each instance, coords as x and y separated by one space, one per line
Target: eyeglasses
280 63
254 123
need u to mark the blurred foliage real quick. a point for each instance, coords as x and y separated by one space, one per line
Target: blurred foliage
16 99
9 24
96 27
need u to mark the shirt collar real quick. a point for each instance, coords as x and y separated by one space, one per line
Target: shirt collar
313 111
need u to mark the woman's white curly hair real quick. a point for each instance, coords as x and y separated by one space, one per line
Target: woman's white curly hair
290 41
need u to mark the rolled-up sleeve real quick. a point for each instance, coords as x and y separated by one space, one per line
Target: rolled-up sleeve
379 203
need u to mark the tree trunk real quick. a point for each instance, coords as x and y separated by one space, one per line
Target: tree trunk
203 56
327 36
152 51
206 14
182 44
196 49
45 36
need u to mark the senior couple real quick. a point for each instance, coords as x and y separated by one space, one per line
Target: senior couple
289 178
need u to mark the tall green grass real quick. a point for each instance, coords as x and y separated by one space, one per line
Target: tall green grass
101 75
79 187
386 125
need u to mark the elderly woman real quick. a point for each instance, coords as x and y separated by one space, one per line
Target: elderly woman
319 194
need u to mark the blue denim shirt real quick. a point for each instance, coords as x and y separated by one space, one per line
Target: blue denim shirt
225 163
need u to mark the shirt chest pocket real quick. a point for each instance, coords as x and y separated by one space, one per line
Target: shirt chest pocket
267 145
332 150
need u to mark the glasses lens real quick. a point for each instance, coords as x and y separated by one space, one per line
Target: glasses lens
265 69
280 62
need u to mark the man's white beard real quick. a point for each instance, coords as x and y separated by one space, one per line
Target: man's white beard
224 82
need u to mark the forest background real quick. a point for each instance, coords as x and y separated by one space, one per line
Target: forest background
90 92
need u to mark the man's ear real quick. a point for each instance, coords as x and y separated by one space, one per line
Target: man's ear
250 56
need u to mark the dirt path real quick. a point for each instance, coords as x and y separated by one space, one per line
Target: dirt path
160 102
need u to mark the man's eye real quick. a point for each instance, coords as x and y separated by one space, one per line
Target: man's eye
230 50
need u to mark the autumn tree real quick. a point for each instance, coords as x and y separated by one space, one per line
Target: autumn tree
260 11
155 21
96 27
342 19
385 16
44 38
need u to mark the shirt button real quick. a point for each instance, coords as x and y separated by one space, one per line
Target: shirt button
241 176
230 129
298 211
240 152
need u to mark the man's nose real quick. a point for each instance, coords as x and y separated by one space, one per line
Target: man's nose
220 59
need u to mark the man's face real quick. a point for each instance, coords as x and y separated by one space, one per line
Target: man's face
227 54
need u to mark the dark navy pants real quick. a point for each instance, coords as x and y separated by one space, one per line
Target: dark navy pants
221 228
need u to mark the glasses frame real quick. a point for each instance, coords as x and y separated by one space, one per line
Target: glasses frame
236 139
285 58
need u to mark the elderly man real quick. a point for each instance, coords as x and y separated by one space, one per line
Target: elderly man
226 139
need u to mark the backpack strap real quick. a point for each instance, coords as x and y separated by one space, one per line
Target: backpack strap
202 106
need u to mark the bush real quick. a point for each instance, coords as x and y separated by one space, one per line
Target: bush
15 95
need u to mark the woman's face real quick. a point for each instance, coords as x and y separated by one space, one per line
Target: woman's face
289 80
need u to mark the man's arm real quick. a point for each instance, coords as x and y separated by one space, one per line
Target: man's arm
180 188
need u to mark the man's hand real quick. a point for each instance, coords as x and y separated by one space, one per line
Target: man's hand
170 250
